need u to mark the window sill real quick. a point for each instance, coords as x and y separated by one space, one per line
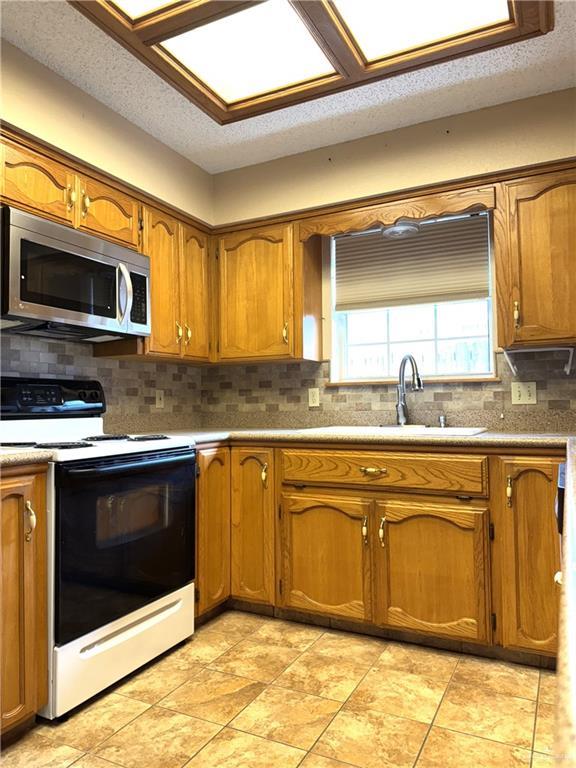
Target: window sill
426 379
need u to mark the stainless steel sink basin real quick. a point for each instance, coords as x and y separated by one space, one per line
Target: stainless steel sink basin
396 431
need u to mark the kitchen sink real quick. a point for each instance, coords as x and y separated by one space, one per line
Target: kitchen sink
396 431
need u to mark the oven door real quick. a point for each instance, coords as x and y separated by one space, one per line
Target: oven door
124 536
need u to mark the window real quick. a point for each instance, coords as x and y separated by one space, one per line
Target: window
427 294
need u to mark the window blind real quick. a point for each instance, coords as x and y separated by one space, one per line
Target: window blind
448 260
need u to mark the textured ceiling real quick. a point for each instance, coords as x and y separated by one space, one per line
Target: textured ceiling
59 37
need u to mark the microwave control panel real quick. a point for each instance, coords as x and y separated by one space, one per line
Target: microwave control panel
139 311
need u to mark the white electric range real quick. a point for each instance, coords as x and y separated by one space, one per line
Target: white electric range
120 535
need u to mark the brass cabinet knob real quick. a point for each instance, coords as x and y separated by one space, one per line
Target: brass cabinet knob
31 519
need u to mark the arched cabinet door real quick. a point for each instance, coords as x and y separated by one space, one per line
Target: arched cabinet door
326 560
106 211
213 528
431 567
530 553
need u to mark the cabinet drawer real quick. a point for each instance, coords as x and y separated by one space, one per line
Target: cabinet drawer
381 469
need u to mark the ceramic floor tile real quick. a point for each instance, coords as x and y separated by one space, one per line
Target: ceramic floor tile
419 661
287 634
323 675
545 724
317 761
480 712
205 646
159 738
159 679
234 749
213 695
256 661
91 761
398 693
96 722
345 645
291 717
543 761
238 623
498 676
548 687
447 749
372 740
37 751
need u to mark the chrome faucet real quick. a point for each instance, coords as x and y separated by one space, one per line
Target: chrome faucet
417 386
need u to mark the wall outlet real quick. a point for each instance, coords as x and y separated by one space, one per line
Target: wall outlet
159 398
314 397
524 393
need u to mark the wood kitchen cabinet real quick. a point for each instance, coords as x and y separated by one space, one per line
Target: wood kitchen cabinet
23 606
431 567
51 189
535 243
213 528
252 534
325 561
530 552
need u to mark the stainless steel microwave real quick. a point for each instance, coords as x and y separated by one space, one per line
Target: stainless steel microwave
59 282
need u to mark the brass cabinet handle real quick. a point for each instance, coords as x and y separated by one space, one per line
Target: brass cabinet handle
373 471
72 196
285 333
178 333
509 491
381 530
558 578
516 314
264 474
31 519
188 335
86 202
365 529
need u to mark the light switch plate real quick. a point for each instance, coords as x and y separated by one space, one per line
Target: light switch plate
159 398
524 393
314 397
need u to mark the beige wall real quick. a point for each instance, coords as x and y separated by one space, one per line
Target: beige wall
518 133
38 101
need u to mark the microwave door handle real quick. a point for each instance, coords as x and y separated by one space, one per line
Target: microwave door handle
138 465
123 271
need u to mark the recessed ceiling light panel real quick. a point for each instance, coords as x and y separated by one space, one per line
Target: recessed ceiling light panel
255 51
136 8
382 29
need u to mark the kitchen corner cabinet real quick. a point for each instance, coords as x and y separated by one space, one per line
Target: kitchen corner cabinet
325 554
530 553
252 531
269 296
23 607
213 528
430 567
44 186
534 251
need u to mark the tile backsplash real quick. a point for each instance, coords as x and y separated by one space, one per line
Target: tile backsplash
276 394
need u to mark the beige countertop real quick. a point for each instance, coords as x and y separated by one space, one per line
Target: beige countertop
566 715
11 456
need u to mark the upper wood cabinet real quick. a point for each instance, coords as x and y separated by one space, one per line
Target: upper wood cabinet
104 210
213 528
270 296
252 539
325 561
161 245
38 184
534 249
194 293
23 628
431 568
530 553
41 185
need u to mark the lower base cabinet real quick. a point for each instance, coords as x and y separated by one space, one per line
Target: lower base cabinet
431 568
530 553
23 630
213 528
325 555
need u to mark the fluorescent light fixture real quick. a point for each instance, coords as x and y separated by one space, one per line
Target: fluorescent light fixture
136 8
255 51
385 28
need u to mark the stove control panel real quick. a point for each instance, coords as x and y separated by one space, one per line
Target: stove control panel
24 397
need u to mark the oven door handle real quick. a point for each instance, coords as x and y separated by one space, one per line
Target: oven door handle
139 465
